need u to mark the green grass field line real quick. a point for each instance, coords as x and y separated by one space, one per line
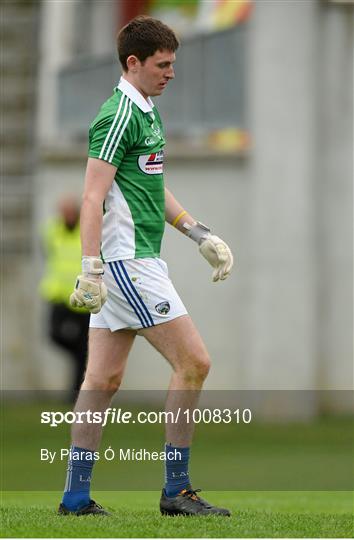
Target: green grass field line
135 514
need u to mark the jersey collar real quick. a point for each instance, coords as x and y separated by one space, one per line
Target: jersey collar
129 90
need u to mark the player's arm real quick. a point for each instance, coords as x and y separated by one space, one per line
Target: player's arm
90 291
213 249
98 181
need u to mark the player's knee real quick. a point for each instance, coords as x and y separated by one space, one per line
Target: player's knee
197 368
109 384
203 366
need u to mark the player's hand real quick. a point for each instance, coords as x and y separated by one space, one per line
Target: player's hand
218 254
90 291
213 249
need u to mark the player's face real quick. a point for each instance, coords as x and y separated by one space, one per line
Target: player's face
154 74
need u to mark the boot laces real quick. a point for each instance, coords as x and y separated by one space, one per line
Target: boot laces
192 494
93 503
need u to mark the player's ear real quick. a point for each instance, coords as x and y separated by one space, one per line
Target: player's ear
133 63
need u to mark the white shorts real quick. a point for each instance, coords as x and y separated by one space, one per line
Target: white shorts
140 295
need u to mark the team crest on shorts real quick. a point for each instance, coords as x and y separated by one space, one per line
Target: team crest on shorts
152 163
163 307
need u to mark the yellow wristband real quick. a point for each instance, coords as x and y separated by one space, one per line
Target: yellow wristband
176 220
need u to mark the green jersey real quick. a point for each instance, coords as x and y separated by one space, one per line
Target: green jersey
128 133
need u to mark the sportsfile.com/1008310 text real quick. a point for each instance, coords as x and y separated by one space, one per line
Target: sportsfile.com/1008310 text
114 415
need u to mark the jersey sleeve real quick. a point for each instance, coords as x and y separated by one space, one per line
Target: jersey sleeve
112 135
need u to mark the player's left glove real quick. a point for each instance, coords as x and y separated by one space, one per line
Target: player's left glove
213 249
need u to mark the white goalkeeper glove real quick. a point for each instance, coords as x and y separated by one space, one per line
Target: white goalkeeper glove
213 249
90 291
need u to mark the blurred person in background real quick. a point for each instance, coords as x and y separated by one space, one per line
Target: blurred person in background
67 325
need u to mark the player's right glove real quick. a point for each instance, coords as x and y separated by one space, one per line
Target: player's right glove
90 291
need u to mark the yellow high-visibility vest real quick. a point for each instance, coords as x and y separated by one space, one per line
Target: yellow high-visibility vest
63 263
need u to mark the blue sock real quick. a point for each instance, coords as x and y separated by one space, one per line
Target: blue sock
177 477
78 478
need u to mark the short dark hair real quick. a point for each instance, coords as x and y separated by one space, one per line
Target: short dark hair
143 36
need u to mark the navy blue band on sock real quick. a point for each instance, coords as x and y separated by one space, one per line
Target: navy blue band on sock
176 470
78 478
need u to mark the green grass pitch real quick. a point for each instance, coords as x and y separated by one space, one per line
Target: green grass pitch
135 514
284 480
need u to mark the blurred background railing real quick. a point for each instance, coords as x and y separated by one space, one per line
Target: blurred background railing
202 98
19 68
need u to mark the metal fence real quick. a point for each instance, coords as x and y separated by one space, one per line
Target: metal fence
207 93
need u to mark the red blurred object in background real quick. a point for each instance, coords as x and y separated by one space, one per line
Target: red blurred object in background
128 9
